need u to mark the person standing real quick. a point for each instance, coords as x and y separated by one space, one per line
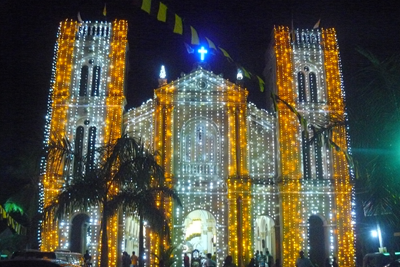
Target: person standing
303 261
261 260
186 262
214 257
228 262
134 259
269 258
257 257
209 261
126 260
87 258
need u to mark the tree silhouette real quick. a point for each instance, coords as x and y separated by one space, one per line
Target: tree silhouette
125 164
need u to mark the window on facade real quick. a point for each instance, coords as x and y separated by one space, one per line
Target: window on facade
200 149
306 155
91 149
318 159
83 86
312 79
96 81
78 157
301 86
200 143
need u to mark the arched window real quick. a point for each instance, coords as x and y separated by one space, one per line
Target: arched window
313 87
306 155
78 151
91 149
96 81
83 86
318 159
200 148
301 86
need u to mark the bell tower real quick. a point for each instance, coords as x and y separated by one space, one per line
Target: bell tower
313 171
86 104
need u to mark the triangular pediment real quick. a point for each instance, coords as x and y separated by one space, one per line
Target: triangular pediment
202 80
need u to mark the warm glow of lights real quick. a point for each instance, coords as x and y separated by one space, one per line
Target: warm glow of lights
228 160
57 113
107 43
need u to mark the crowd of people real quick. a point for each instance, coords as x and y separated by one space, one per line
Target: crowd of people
129 261
259 260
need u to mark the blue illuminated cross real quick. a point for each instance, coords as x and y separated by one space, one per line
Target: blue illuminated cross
202 52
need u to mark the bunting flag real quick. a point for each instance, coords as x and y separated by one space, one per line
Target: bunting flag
261 83
225 54
146 6
189 49
211 45
274 102
79 17
246 73
178 28
162 13
195 36
105 10
316 26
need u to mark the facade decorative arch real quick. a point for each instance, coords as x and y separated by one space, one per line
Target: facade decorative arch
90 73
200 148
309 84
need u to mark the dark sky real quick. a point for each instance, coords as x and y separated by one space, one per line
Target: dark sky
243 28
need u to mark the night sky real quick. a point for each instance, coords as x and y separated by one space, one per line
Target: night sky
243 28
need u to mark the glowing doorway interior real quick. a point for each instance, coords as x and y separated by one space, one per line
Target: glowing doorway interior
264 235
200 232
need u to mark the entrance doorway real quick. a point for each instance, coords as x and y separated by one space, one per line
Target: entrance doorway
264 235
80 229
200 233
317 240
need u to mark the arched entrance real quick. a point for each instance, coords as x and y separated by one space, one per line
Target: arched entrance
79 240
200 232
317 240
264 235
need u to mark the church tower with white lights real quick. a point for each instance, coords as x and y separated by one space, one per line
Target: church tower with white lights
313 175
86 105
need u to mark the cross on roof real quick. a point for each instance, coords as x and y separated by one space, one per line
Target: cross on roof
202 52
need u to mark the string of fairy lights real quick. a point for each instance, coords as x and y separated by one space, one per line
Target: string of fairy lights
317 52
218 151
81 45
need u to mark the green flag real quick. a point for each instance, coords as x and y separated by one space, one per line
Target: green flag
146 6
225 54
195 37
246 73
211 44
162 13
261 83
178 28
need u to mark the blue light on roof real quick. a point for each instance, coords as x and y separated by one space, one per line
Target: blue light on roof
202 52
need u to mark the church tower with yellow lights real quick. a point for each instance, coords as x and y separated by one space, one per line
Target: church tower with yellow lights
275 181
313 176
86 105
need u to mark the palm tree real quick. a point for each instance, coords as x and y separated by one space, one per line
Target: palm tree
124 164
166 256
375 121
24 203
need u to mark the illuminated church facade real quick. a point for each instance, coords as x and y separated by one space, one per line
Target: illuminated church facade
249 179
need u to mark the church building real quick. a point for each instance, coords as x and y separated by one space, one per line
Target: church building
276 181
